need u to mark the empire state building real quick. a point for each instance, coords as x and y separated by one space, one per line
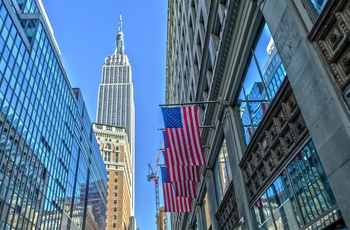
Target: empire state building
116 94
115 133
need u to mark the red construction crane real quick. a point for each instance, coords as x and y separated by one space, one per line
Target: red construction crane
152 175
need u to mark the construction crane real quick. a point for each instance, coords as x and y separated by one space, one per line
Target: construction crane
152 175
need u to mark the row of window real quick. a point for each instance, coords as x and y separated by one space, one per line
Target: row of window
301 195
38 107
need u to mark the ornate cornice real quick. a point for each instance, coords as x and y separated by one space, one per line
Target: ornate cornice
331 34
274 143
221 62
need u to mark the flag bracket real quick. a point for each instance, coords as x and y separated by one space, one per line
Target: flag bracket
201 127
190 103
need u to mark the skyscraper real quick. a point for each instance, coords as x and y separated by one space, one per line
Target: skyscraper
116 93
115 133
51 172
114 147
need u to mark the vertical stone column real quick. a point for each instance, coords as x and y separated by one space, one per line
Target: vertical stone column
324 111
213 204
234 147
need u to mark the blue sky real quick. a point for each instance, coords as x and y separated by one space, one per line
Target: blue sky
85 32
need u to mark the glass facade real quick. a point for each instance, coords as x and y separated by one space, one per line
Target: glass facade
315 7
264 75
52 175
300 196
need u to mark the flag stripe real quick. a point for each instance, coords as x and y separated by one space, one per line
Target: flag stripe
181 172
185 188
173 203
184 143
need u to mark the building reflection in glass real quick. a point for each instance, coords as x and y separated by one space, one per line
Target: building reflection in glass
299 197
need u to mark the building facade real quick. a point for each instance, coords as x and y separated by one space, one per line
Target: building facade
272 80
116 93
114 147
52 175
115 110
161 219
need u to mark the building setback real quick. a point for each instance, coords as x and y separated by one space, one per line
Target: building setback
116 92
116 118
277 155
52 175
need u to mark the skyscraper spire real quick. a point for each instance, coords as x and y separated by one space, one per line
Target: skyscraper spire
119 43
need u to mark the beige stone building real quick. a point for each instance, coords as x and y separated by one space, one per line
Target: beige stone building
114 147
161 219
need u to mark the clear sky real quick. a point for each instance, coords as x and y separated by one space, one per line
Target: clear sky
85 32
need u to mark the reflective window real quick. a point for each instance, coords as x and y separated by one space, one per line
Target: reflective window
300 195
207 211
264 76
222 170
315 7
44 171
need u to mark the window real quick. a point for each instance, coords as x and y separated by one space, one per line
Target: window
222 171
114 209
114 217
315 7
299 196
115 187
116 173
207 211
264 75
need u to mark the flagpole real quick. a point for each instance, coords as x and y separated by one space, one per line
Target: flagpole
189 103
203 146
201 127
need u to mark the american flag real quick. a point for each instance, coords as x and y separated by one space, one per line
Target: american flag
173 203
181 172
182 135
185 188
165 140
164 156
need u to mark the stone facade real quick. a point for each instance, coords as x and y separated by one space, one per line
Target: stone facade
113 143
287 160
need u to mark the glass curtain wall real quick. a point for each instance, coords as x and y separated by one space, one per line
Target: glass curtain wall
300 196
265 73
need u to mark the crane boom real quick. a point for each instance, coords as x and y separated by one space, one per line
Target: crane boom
152 175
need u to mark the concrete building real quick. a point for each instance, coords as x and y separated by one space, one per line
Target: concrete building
275 76
48 155
114 147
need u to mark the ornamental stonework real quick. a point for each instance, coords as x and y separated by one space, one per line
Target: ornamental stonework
331 34
227 214
279 134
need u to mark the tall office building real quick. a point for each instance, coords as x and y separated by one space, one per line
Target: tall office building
276 76
116 112
116 92
114 147
52 174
